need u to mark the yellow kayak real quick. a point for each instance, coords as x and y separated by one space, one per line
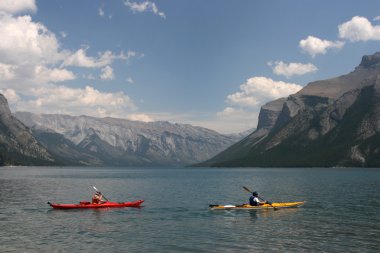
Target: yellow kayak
264 206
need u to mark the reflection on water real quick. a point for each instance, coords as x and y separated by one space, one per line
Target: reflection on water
176 217
234 216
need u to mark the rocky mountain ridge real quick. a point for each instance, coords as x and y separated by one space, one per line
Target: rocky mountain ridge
333 122
120 142
17 144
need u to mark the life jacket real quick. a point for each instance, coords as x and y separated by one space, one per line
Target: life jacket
96 199
252 201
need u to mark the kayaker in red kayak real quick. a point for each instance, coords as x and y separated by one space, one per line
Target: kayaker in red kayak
97 198
97 202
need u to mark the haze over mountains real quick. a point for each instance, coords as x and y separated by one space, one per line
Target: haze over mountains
85 140
334 122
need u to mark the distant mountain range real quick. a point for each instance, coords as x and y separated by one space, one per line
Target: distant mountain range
31 139
334 122
84 140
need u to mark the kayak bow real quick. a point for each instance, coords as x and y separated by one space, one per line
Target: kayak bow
85 204
264 206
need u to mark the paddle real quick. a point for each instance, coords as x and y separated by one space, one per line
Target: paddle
248 190
96 189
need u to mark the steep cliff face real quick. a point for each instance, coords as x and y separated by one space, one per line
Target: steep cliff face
121 142
333 122
268 117
269 113
17 144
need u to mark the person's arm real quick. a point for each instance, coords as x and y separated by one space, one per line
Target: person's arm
260 201
257 200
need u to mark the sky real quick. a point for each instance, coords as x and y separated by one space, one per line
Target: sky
209 63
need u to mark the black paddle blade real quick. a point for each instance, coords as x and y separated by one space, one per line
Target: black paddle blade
248 190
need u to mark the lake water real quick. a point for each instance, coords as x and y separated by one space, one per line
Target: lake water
341 213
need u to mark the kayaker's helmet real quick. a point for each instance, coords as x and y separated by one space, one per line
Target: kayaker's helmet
255 194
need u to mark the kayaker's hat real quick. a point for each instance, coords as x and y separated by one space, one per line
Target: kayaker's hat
255 194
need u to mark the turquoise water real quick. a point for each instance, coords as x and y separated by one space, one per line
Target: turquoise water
341 213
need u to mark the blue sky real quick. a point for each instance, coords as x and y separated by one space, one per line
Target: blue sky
210 63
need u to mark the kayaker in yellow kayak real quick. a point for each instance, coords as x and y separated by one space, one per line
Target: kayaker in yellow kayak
255 200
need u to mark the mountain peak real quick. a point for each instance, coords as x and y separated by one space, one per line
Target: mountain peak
371 61
4 108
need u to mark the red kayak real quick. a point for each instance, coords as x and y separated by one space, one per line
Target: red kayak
85 204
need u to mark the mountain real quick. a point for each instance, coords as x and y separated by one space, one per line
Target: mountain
334 122
17 144
65 152
119 142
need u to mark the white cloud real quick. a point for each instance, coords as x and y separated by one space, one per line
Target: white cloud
10 95
131 54
359 29
17 6
130 80
107 73
76 101
313 45
291 69
32 62
101 12
89 76
63 34
7 71
143 7
80 59
140 117
228 111
28 53
47 75
235 120
243 112
259 90
25 42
